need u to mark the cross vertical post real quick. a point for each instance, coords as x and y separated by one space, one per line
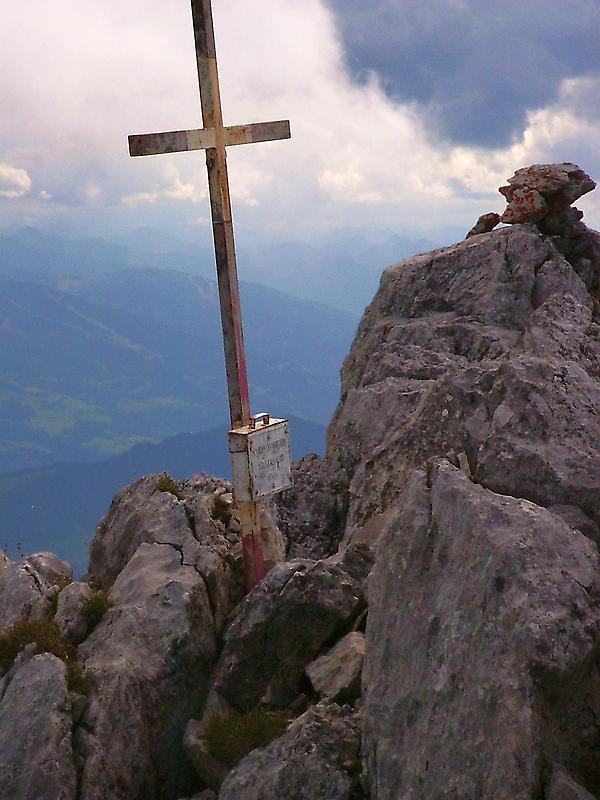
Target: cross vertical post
248 435
220 203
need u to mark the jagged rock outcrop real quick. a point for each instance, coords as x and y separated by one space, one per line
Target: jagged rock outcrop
489 349
70 611
488 608
194 518
171 558
462 472
36 761
313 759
26 587
486 353
280 627
168 557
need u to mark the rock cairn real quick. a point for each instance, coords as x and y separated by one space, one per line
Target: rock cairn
543 195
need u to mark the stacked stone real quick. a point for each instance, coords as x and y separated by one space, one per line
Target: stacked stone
542 194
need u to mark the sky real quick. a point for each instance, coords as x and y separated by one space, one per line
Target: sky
406 115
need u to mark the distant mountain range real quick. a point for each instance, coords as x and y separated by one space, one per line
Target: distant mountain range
58 507
108 347
91 365
340 268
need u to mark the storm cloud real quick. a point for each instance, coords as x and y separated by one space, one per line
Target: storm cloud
366 151
475 68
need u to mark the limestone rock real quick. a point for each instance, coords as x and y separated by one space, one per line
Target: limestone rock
69 615
526 205
311 760
170 553
337 674
311 514
36 760
198 523
280 627
561 787
542 194
561 183
485 224
150 659
490 348
482 640
50 567
27 586
143 513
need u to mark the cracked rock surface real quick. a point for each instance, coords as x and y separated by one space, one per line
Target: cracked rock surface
311 760
482 642
489 349
280 627
482 634
35 733
151 656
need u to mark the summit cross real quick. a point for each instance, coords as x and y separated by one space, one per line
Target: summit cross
214 137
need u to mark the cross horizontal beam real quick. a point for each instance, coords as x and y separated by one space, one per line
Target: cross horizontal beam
152 144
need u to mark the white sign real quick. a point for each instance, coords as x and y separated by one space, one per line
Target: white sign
260 459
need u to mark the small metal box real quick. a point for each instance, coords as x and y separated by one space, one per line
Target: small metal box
260 458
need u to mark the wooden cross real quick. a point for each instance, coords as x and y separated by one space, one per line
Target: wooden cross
214 138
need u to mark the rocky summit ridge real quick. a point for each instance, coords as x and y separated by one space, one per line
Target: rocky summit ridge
430 625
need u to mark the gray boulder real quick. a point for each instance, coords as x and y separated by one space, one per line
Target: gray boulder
36 759
489 349
198 521
26 587
482 638
311 760
337 673
50 567
311 513
150 660
146 512
70 616
280 627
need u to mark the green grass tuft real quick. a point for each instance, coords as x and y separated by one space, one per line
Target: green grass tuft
95 607
47 638
167 484
229 739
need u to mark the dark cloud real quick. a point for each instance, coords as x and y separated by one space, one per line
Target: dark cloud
476 67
